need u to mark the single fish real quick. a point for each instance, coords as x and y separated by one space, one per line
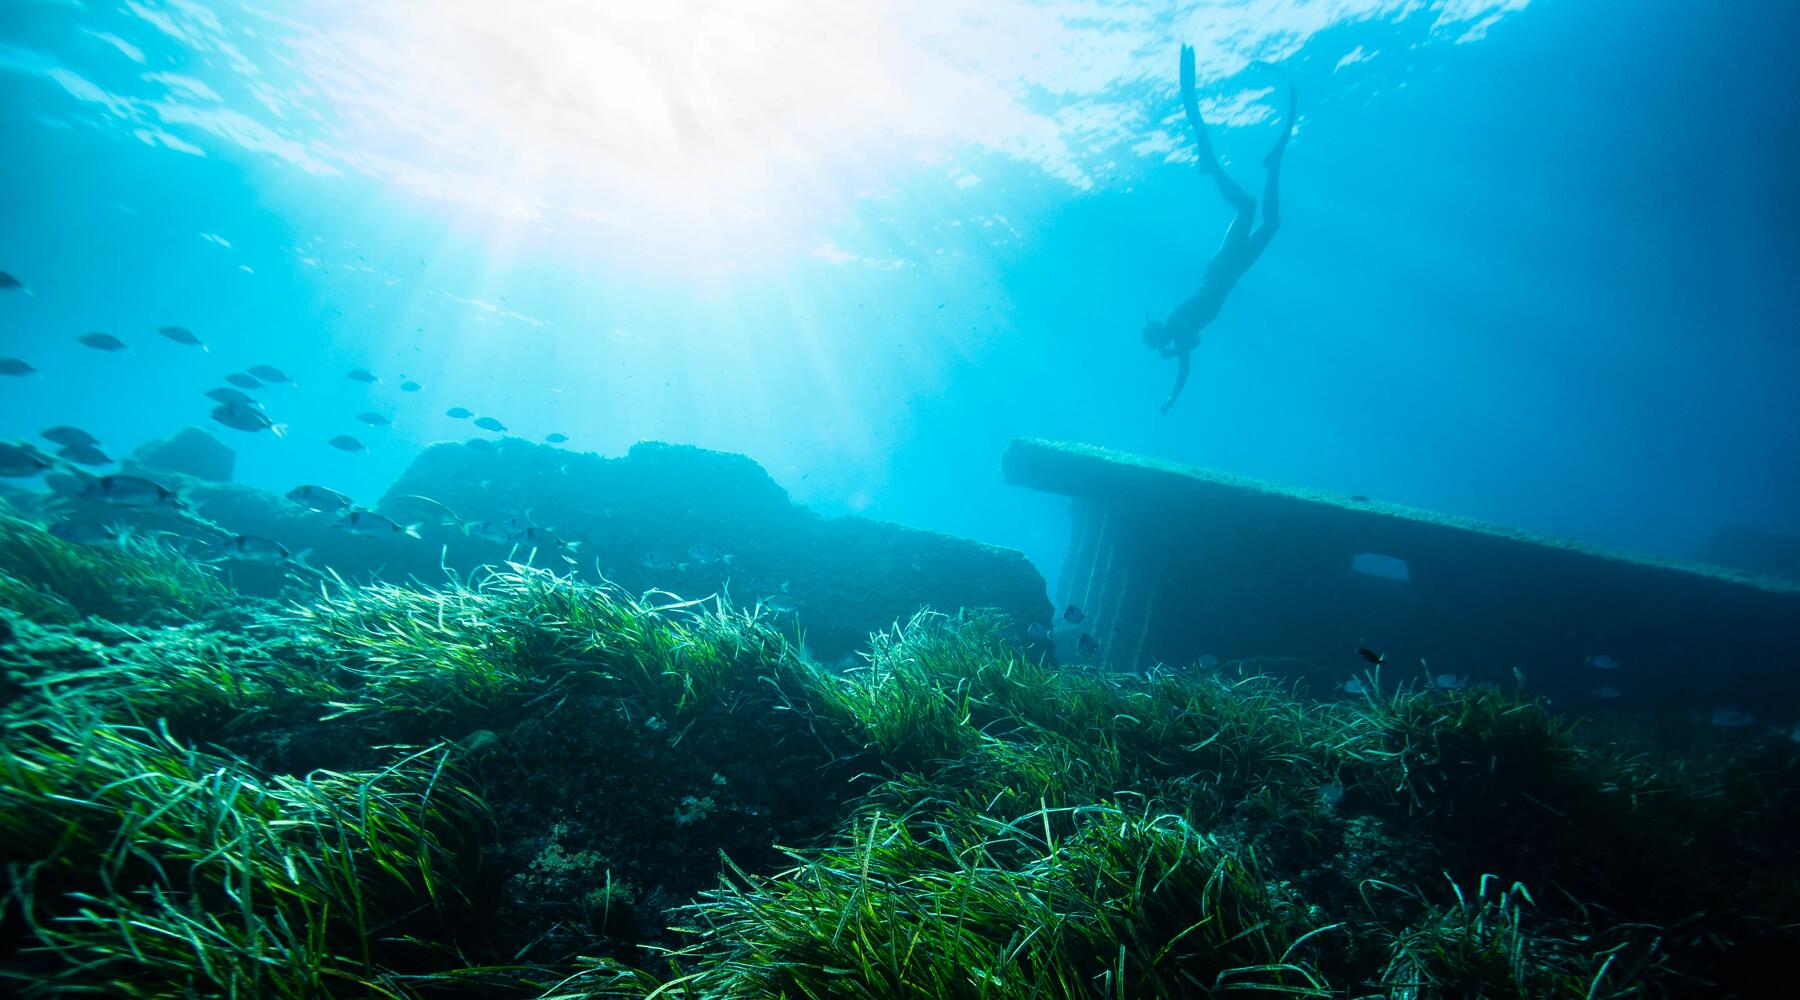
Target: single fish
1370 655
243 381
1448 682
181 335
1073 615
544 538
1731 717
83 454
1602 661
410 387
344 442
73 437
480 446
1037 631
369 524
14 366
1331 795
493 531
433 510
658 561
373 419
131 491
556 438
459 412
246 418
706 555
363 375
18 461
319 498
101 341
780 604
257 549
269 374
232 397
1207 662
73 483
83 532
1355 687
9 283
1086 645
1608 692
490 424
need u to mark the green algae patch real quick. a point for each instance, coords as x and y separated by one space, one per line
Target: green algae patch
522 785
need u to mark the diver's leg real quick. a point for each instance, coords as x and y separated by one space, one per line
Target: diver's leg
1271 202
1230 190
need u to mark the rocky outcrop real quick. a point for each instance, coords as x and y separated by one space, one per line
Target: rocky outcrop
190 452
845 577
678 519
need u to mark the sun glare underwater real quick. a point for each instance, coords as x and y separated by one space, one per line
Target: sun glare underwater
1018 498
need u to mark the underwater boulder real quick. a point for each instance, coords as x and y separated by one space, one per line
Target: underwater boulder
694 522
191 452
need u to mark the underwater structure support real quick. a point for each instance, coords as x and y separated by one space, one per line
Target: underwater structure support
1174 565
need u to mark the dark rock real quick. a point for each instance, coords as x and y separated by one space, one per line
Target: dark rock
847 576
191 452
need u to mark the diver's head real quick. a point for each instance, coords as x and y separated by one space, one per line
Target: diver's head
1156 334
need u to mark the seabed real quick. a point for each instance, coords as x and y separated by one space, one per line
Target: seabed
523 785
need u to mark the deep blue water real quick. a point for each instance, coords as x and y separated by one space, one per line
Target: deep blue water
1540 261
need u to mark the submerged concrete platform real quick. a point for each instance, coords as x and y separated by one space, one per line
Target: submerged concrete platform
1171 564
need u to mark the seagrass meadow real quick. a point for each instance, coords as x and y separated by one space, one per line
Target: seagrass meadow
521 785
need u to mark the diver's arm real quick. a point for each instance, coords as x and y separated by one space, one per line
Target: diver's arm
1181 377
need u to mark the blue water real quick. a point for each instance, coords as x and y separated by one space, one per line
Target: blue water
1539 263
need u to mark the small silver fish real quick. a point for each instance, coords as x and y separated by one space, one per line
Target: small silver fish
369 524
362 375
1073 615
410 387
1608 692
257 549
480 446
543 538
1602 661
231 396
246 418
1448 682
657 561
14 366
490 424
459 412
493 531
243 381
344 442
83 455
9 283
101 341
73 437
1037 631
556 438
780 604
269 373
319 498
18 461
434 510
181 335
373 419
1354 687
131 491
1331 795
82 532
706 555
1731 717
